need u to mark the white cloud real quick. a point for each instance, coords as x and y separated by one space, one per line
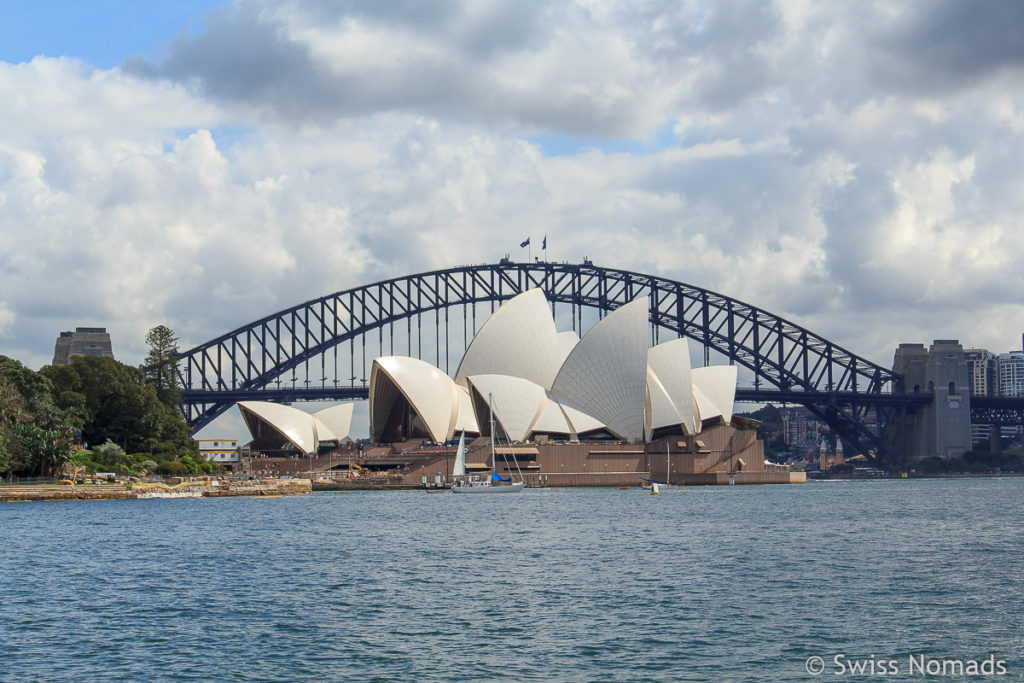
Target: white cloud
296 149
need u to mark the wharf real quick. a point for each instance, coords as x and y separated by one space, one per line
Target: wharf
366 484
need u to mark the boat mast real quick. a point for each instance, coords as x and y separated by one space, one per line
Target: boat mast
494 458
490 415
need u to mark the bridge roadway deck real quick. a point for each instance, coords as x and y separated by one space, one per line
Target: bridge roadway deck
743 395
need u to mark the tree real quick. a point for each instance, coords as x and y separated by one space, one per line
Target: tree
36 436
161 366
117 403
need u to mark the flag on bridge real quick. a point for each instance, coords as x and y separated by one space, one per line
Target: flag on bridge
525 243
544 243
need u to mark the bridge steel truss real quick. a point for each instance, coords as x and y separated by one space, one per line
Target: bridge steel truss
787 360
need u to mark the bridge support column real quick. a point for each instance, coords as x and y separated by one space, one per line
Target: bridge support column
942 428
995 438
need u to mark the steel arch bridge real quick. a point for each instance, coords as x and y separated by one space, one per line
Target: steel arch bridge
789 363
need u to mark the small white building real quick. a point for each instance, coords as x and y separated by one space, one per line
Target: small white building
218 450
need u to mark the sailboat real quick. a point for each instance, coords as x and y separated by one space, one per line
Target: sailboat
655 486
474 484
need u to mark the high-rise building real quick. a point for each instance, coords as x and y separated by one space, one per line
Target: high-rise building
1011 374
84 341
982 372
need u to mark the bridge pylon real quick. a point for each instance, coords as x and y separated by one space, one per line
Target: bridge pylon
941 427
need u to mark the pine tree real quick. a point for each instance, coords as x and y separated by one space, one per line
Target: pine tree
161 366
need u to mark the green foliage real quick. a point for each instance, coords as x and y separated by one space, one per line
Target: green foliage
988 462
111 456
85 459
111 403
117 404
770 431
161 366
973 462
769 414
36 436
172 468
190 464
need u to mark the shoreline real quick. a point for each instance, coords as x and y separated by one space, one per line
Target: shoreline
292 487
212 488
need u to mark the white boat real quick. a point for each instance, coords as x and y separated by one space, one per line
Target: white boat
655 486
475 484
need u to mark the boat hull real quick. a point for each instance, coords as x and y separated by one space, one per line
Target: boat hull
512 488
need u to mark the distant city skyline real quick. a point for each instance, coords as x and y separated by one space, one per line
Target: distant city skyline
201 165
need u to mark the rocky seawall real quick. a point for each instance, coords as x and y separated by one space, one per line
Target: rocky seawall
197 488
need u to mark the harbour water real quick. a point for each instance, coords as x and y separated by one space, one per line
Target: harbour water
706 584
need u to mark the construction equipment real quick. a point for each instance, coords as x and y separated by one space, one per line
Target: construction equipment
73 481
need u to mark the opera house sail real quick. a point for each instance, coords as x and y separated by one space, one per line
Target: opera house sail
551 384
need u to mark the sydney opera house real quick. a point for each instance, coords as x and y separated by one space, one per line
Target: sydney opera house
602 410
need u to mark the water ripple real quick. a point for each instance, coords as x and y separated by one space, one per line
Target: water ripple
725 584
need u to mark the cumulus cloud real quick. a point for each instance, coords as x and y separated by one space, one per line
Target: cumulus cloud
826 162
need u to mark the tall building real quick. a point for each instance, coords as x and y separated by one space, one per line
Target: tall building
800 428
982 372
1011 374
84 341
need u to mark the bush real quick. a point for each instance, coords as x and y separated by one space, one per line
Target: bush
189 464
934 465
172 468
110 455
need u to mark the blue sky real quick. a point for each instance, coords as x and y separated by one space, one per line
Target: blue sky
569 145
101 32
104 33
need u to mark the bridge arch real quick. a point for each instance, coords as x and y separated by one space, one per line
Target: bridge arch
798 365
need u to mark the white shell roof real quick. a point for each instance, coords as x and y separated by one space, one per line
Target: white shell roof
605 375
300 428
552 420
519 340
717 384
580 422
704 409
517 402
670 364
431 393
661 412
337 419
466 419
567 341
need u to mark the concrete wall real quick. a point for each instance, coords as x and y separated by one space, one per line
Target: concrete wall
708 458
